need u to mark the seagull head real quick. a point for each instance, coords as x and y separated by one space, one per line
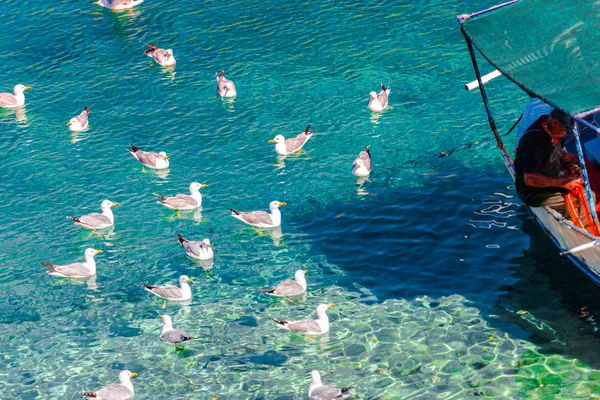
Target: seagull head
358 163
73 121
106 204
322 308
315 376
89 252
185 279
126 375
299 274
19 89
276 204
197 186
373 95
205 243
166 319
164 155
277 139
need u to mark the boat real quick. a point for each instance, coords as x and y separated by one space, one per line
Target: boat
551 50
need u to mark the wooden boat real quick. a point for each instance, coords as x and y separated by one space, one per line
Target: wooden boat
551 50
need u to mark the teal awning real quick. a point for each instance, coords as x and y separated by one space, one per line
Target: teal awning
550 48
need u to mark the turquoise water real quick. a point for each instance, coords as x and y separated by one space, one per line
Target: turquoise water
443 287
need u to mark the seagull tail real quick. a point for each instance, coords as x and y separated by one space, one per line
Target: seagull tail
159 196
133 149
149 287
220 74
89 394
181 239
367 150
74 219
281 322
187 338
344 390
234 212
307 130
269 291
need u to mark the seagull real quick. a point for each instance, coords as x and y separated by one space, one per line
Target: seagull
309 326
96 220
118 4
290 287
182 202
261 219
161 56
150 159
362 164
285 146
318 391
115 391
79 123
77 269
225 87
171 335
172 292
378 102
198 250
8 100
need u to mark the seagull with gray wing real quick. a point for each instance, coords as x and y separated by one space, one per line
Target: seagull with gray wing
80 123
161 56
171 292
225 87
150 159
318 391
199 250
379 101
96 220
8 100
289 287
362 164
309 326
261 219
76 269
172 335
285 146
115 391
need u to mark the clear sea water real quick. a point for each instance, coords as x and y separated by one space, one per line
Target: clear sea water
444 287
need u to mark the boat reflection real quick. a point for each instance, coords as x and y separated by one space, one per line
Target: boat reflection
553 301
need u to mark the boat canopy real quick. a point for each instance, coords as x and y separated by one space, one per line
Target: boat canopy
550 48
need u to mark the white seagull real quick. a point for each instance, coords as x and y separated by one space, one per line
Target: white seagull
80 123
150 159
161 56
378 102
309 326
289 287
183 202
261 219
118 5
171 335
96 220
225 87
172 292
198 250
115 391
285 146
318 391
76 269
8 100
362 164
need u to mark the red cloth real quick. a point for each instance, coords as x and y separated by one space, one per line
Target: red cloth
593 171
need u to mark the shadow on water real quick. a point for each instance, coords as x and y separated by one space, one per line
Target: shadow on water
464 234
552 300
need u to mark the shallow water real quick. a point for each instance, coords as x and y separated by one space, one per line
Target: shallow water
443 286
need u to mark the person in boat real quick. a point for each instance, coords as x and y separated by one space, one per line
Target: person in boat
544 171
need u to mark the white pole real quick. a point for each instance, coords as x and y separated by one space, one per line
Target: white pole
485 79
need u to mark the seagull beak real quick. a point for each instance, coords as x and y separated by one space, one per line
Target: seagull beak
134 374
96 2
331 305
208 245
283 203
305 271
27 87
203 185
160 316
190 280
271 141
167 158
69 123
115 204
99 251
